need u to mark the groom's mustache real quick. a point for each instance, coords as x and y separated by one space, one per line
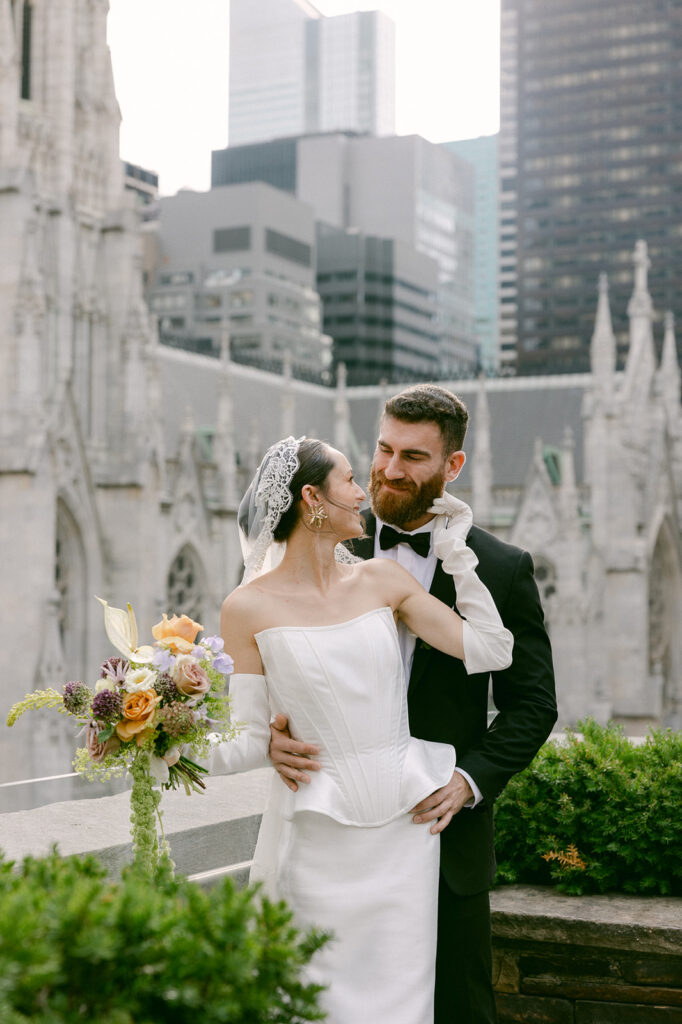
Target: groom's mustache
397 485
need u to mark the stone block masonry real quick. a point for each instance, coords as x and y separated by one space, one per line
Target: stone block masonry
586 960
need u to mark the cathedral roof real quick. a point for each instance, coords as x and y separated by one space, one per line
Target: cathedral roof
265 406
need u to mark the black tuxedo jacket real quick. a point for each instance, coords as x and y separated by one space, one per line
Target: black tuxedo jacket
447 705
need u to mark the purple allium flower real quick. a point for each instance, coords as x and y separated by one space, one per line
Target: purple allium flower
223 663
163 660
76 698
115 669
214 643
176 719
107 706
166 688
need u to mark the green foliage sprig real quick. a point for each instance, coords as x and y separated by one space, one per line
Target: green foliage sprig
595 814
76 946
49 698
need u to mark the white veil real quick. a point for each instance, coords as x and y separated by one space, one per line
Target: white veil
266 500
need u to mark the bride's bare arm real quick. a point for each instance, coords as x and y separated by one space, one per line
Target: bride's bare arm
237 625
479 639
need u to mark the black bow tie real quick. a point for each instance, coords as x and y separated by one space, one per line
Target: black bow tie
419 542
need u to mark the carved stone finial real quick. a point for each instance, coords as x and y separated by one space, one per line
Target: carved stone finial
642 264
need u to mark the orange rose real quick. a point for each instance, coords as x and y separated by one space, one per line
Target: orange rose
178 633
138 710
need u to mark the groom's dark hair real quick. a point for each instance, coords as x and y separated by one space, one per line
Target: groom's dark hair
430 403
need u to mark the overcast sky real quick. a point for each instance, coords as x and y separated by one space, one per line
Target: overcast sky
170 61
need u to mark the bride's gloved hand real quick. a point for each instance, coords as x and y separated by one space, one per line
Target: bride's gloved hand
454 520
250 709
485 639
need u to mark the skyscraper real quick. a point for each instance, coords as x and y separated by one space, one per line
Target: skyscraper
481 153
294 71
590 161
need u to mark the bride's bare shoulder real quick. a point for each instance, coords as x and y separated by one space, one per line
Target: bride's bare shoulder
244 604
391 579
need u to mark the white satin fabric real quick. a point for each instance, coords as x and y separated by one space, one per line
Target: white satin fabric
343 850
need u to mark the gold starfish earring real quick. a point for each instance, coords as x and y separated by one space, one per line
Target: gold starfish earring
316 515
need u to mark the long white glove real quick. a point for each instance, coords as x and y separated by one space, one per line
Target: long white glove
487 643
250 708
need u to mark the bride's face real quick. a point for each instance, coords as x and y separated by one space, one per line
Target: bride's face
342 498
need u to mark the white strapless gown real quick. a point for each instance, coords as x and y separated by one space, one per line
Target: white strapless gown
344 851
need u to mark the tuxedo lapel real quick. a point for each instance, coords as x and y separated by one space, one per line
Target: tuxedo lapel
363 547
443 587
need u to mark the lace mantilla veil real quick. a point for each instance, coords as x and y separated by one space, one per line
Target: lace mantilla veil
266 500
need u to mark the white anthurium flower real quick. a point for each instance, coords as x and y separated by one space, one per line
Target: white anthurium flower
121 628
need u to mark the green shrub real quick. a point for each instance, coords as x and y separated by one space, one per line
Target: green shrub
76 946
595 814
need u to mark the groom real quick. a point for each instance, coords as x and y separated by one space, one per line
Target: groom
418 452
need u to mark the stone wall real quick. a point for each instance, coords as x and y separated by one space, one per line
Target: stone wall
587 959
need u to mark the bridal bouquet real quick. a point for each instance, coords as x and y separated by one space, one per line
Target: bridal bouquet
149 702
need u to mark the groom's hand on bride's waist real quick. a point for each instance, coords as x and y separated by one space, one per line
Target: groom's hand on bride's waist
291 758
440 807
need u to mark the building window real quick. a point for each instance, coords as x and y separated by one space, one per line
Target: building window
231 239
26 33
288 248
185 585
70 583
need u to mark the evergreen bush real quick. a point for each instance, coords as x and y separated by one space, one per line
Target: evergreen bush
75 945
595 814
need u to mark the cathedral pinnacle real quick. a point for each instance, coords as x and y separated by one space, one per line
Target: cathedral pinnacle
670 369
640 366
603 347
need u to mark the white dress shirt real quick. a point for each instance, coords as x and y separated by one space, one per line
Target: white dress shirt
423 570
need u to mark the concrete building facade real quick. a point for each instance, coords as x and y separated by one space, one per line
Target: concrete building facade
240 259
398 187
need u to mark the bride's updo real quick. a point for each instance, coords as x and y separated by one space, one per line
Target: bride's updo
314 466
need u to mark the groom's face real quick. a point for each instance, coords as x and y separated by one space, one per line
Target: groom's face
409 470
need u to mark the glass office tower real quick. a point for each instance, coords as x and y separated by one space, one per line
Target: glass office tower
590 161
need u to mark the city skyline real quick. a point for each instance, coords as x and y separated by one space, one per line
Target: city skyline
445 49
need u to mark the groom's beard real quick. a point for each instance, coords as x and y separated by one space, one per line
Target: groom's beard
409 501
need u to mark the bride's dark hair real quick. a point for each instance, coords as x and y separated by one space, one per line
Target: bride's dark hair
315 463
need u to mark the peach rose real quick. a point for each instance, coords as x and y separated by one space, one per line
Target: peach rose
98 751
138 710
189 677
178 633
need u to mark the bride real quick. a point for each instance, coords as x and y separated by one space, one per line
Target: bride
313 632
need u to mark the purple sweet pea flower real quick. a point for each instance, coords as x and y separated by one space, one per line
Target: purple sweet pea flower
199 653
201 718
163 660
223 663
214 643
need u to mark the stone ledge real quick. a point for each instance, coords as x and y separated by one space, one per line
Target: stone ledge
651 924
213 830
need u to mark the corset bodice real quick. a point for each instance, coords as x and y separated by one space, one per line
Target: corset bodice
342 687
